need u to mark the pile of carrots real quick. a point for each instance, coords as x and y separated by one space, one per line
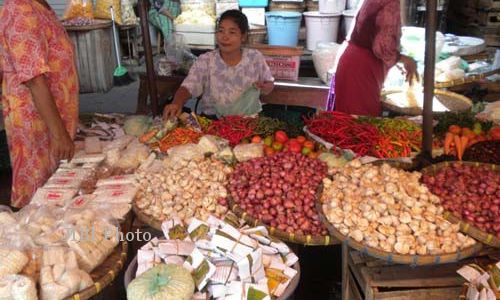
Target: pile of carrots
457 139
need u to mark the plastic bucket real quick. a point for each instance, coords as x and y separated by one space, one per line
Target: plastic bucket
283 28
321 28
348 16
331 6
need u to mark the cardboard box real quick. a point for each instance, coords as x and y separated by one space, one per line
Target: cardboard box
255 16
284 62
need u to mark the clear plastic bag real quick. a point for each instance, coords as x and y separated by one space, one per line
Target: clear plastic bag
247 104
324 57
102 10
79 9
244 152
185 152
128 14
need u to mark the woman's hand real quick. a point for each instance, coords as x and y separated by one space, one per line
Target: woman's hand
265 87
61 146
410 67
171 110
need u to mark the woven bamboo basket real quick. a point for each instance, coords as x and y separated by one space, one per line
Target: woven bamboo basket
106 273
414 260
467 79
308 240
465 227
97 24
452 101
146 219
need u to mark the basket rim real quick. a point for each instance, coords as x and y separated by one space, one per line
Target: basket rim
417 110
416 260
307 240
465 227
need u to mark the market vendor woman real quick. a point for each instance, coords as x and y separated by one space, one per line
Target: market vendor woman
370 50
230 78
40 93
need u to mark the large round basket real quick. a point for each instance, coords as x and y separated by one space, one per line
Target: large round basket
146 219
309 240
478 234
467 79
132 269
415 260
106 273
452 101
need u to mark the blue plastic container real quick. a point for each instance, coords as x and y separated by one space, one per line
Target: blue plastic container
253 3
283 28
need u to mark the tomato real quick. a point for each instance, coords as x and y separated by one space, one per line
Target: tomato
306 151
495 133
455 129
280 136
309 144
268 141
301 139
256 139
295 147
268 151
277 146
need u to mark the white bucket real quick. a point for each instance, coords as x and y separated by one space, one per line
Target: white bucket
331 6
352 4
348 17
321 28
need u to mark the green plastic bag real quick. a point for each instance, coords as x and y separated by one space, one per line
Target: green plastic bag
247 104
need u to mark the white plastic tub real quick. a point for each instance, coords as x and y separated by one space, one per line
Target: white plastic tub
347 18
331 6
321 28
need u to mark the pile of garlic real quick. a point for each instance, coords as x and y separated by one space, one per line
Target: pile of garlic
388 209
183 188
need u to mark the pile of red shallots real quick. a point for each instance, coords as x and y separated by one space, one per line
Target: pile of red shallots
281 191
469 192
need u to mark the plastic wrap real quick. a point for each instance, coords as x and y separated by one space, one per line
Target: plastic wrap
185 152
102 10
244 152
324 59
128 14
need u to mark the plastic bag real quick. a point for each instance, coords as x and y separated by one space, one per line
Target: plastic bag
324 57
185 152
174 48
78 9
60 275
102 10
247 104
212 144
244 152
128 14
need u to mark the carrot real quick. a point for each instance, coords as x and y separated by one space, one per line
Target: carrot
464 140
458 146
148 135
447 142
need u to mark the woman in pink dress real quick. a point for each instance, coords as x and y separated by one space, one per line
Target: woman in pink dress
40 93
370 50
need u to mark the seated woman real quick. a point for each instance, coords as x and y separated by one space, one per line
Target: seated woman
162 14
230 78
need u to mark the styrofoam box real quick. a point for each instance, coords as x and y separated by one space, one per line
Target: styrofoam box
255 16
195 28
284 67
221 7
198 38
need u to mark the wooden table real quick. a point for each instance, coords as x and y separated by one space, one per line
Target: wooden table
308 92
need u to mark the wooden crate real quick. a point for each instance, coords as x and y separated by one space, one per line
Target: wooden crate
370 278
96 60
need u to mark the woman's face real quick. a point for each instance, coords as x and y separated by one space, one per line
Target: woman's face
229 36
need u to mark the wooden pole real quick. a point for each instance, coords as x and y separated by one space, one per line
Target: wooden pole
148 53
430 61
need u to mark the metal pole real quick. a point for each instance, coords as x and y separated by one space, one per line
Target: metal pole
148 53
430 61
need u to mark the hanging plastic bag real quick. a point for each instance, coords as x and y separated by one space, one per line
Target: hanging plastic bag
78 9
247 104
102 10
128 14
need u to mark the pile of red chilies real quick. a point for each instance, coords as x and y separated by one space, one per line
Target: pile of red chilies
233 128
344 132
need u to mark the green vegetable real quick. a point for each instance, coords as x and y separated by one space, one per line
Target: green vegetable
268 126
137 125
462 119
254 294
